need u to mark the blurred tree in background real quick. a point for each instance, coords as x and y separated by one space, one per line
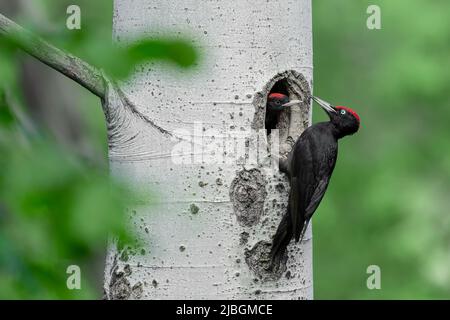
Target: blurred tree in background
388 202
57 201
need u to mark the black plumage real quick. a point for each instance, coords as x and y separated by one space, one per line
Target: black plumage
309 166
276 103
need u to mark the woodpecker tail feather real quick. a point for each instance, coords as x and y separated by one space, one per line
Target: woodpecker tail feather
281 240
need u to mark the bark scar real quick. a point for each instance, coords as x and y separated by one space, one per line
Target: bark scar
248 193
121 113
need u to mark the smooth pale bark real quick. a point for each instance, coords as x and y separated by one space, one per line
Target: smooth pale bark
206 230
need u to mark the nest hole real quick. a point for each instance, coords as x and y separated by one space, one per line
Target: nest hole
290 122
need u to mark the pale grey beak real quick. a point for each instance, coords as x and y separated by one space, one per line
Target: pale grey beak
291 103
325 105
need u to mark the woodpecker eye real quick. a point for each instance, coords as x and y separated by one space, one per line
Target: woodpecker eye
343 112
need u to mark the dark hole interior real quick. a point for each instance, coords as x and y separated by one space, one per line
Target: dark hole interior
273 117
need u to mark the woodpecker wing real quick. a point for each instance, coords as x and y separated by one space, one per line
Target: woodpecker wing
313 161
317 196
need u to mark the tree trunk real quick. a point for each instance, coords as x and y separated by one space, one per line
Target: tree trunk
197 143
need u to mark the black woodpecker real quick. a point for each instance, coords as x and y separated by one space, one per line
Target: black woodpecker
276 102
309 167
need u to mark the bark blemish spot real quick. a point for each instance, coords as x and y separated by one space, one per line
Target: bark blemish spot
248 193
194 209
280 187
258 261
137 290
120 287
243 239
124 256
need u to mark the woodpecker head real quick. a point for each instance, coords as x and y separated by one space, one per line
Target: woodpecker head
344 119
279 102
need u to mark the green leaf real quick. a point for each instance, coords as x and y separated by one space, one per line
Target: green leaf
179 52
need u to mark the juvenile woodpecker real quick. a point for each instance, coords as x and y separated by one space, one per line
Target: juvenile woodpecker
309 167
276 102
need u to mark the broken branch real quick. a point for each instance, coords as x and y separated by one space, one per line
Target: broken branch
73 67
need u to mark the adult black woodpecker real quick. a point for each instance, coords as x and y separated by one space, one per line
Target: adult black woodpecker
276 102
309 167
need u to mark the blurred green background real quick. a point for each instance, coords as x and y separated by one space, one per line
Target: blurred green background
387 202
57 201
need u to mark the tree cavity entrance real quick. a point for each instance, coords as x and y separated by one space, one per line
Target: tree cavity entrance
291 122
